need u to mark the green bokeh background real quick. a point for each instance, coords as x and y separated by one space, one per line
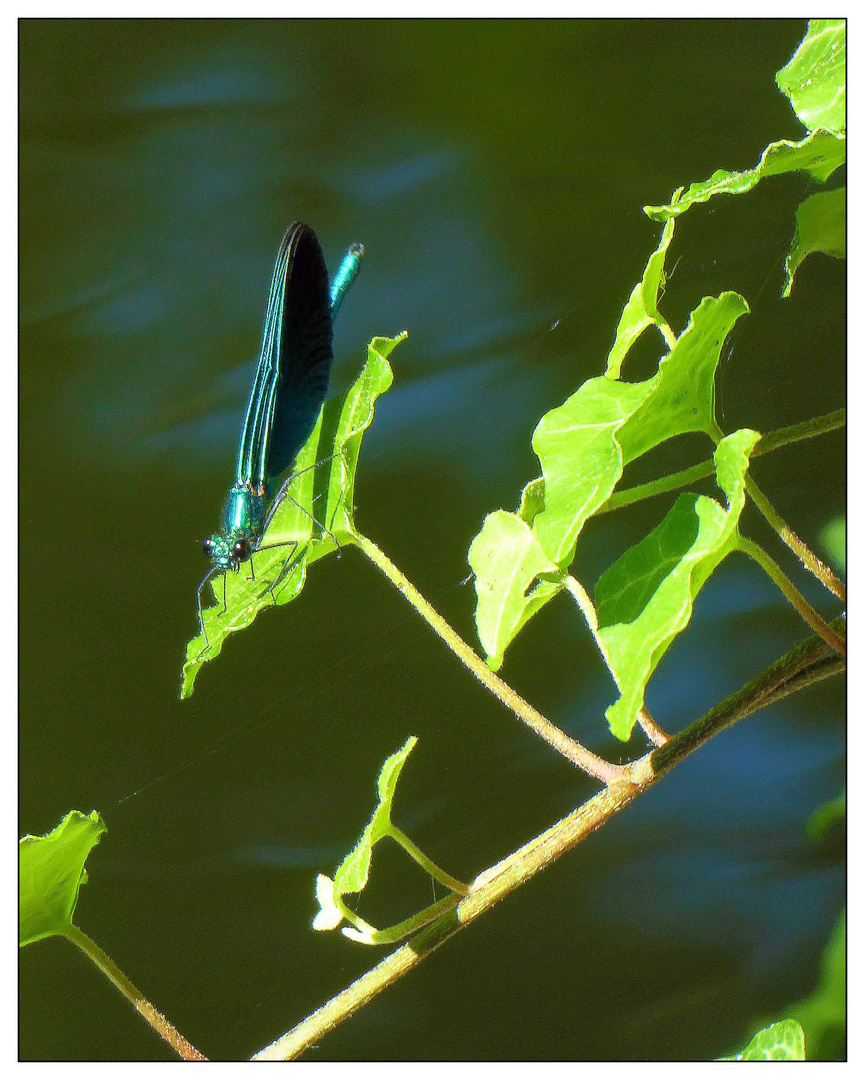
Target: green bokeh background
495 170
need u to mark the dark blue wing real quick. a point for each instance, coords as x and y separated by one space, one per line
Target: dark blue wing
306 353
293 370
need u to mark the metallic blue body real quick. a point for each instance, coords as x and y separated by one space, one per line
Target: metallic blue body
289 388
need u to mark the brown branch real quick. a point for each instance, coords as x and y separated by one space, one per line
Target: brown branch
803 665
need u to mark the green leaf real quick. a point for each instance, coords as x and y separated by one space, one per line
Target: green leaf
581 458
820 154
353 872
825 816
641 310
646 597
815 79
784 1041
313 520
354 418
833 539
683 391
823 1014
506 558
583 446
821 225
50 873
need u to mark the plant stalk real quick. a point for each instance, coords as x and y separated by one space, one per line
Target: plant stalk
790 591
807 557
803 665
574 751
153 1017
772 440
442 876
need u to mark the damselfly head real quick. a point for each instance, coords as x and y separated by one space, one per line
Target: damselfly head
225 552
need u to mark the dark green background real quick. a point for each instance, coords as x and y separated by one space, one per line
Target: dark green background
495 170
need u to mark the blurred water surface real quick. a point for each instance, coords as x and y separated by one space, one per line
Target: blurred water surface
495 171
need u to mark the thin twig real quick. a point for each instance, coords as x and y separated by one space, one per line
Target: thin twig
426 862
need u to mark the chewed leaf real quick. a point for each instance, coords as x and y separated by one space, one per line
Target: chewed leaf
821 225
815 79
50 873
314 517
353 872
358 407
784 1041
682 397
583 446
506 558
819 155
641 310
646 597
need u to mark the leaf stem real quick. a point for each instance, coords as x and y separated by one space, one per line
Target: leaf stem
803 665
666 333
574 751
807 557
772 440
153 1017
653 731
815 621
434 871
416 922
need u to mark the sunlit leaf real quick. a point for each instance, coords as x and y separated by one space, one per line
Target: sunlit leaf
819 155
682 395
581 458
784 1041
314 518
354 418
821 225
50 873
506 558
641 310
353 872
583 446
815 79
646 597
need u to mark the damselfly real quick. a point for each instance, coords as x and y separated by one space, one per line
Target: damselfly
289 388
